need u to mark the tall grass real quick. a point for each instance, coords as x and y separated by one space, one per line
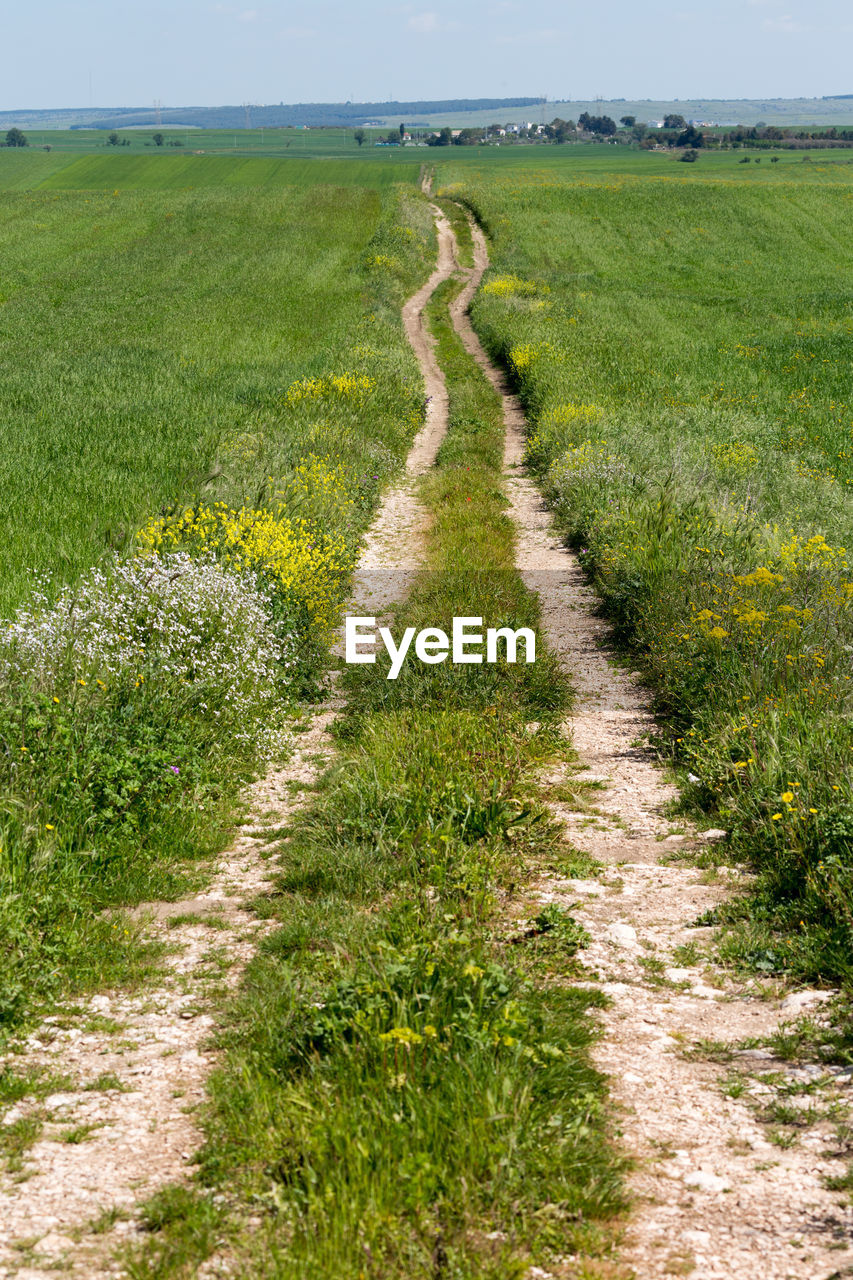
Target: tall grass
192 450
150 341
153 172
681 348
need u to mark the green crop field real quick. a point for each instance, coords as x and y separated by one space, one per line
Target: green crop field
143 331
682 344
541 164
163 172
219 369
267 142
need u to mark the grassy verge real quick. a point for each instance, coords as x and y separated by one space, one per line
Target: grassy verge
678 347
138 695
407 1089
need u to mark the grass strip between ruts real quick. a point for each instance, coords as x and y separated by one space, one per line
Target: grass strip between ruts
406 1089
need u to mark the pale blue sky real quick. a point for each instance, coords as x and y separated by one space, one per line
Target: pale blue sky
210 52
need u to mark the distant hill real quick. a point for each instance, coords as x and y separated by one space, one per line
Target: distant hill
311 114
831 109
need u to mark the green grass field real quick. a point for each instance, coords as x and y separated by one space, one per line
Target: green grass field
40 171
82 160
682 346
167 352
604 164
319 143
186 331
143 332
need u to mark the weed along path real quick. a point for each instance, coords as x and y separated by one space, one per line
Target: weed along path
117 1078
732 1145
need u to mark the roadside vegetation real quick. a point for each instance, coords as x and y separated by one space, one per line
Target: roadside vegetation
189 500
406 1087
682 350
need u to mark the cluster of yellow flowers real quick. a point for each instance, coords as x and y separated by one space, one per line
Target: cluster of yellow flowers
306 570
319 482
735 455
513 286
808 583
812 553
385 262
564 415
522 357
343 386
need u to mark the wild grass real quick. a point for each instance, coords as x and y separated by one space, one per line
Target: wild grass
407 1088
153 172
150 343
680 348
157 375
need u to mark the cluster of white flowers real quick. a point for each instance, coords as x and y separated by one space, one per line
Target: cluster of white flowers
583 465
171 618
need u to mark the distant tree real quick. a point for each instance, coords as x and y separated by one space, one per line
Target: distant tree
402 131
603 126
674 122
468 137
392 138
689 155
628 121
14 138
690 137
561 130
639 131
442 139
774 159
157 139
112 139
359 136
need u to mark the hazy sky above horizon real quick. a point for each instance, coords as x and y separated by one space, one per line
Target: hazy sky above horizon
212 52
